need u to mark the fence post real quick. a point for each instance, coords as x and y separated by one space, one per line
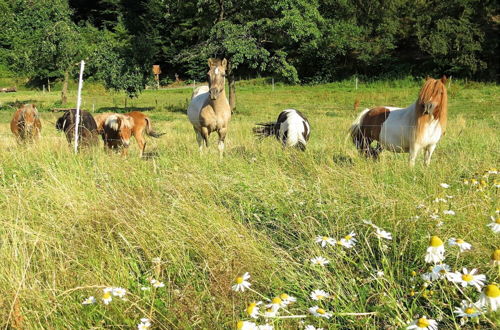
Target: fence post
78 104
272 79
356 83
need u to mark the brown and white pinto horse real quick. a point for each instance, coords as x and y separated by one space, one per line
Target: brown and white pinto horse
25 123
117 129
411 129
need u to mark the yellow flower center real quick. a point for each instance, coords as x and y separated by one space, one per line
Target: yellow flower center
277 300
492 291
435 241
413 273
251 308
442 271
467 277
423 322
320 297
325 238
474 181
497 221
284 296
460 241
239 280
496 255
470 310
321 311
240 325
348 237
106 295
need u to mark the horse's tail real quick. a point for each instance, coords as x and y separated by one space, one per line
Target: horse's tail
355 132
149 130
263 130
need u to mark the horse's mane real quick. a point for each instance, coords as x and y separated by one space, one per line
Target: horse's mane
430 90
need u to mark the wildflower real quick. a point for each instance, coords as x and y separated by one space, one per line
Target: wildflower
383 234
287 300
270 313
145 288
311 327
156 260
434 216
423 323
495 258
440 271
265 327
463 245
465 181
449 212
449 196
348 241
319 295
119 292
323 240
444 185
468 278
319 261
157 284
90 300
490 297
380 273
437 200
492 171
495 224
474 182
435 251
496 183
107 296
246 325
145 324
320 312
276 304
242 283
253 309
468 309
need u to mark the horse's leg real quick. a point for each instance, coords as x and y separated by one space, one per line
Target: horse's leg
414 150
222 136
428 154
140 142
204 134
199 139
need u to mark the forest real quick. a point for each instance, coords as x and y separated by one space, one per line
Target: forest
294 41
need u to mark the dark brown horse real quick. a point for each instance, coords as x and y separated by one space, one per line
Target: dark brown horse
87 128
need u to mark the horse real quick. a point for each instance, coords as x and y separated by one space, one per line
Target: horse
100 119
87 130
25 123
209 111
291 128
417 127
119 128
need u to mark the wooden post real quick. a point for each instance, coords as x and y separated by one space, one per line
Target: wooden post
449 82
272 79
48 85
356 82
43 86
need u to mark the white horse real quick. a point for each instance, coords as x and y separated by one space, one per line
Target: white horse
209 110
419 126
291 128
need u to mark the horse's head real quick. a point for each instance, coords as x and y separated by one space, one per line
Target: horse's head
433 95
29 116
216 76
121 126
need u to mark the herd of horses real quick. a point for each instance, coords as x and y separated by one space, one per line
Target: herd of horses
411 129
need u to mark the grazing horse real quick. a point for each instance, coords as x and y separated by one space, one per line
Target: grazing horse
25 123
411 129
209 111
87 130
119 128
291 128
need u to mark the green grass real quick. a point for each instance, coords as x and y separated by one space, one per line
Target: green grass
72 225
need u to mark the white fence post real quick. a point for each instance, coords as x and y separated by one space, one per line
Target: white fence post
78 104
356 83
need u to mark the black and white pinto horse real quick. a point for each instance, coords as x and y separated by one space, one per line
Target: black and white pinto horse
291 128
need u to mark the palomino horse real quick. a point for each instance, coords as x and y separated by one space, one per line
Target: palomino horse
210 111
25 123
411 129
291 128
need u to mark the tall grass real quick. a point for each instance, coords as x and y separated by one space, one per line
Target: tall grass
74 224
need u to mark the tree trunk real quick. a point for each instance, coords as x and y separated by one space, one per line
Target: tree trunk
64 91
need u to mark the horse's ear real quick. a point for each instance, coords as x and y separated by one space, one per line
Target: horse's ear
210 62
443 79
427 77
224 63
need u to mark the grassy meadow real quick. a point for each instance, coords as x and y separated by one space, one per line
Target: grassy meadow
72 225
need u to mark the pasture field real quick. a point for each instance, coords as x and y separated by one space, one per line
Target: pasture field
72 225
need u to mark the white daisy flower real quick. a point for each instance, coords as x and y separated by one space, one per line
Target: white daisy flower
380 273
253 309
490 297
348 241
444 185
496 183
270 313
276 304
495 258
119 292
440 271
242 283
319 261
145 288
474 182
90 300
426 277
246 325
287 300
145 324
435 251
495 225
420 206
463 245
449 212
311 327
324 240
107 295
468 309
157 284
440 200
449 196
320 312
383 234
265 327
492 171
434 216
319 295
156 260
468 278
423 323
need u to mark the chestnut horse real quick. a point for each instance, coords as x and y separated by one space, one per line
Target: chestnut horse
209 111
25 123
417 127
